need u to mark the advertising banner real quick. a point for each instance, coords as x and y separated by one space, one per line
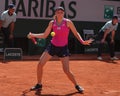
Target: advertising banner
78 10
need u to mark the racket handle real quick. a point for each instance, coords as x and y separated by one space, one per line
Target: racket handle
34 40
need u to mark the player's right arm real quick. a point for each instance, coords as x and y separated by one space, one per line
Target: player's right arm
77 35
2 18
106 29
105 35
46 32
0 24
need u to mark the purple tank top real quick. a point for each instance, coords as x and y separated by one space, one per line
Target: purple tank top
61 33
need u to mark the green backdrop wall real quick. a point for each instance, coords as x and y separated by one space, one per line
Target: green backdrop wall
24 26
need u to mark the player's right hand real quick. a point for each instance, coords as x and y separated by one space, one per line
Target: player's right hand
88 42
103 41
29 36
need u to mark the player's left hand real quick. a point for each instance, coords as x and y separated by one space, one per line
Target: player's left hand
88 42
112 41
29 36
11 36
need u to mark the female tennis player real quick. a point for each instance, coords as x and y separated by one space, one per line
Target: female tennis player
58 46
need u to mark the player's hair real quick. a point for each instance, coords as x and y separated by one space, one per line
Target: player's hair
115 17
54 17
59 8
56 9
11 6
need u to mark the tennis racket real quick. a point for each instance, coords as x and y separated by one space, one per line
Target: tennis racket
37 41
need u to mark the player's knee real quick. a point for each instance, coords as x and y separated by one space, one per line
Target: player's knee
40 64
66 71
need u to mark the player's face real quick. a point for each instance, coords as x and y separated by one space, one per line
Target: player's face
59 13
115 21
11 11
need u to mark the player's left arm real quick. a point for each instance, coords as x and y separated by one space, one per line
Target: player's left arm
12 26
2 18
76 34
113 35
44 34
11 29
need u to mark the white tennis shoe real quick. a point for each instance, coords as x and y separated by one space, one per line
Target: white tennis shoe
114 58
99 58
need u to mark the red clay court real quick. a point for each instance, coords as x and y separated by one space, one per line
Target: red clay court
99 78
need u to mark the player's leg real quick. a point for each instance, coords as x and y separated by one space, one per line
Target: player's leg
66 69
100 48
11 39
100 45
11 42
38 87
111 49
5 37
42 61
